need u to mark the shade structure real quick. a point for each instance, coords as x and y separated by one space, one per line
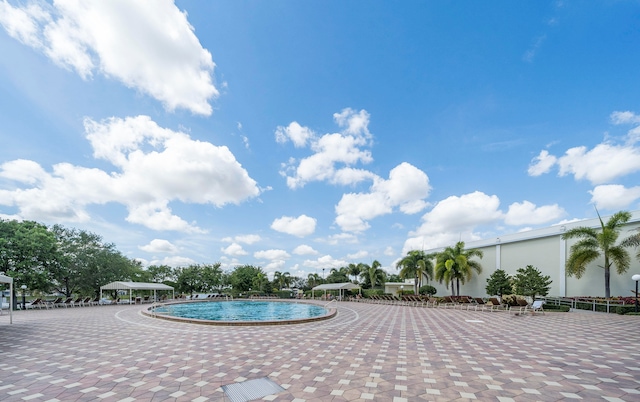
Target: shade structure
335 286
131 286
9 280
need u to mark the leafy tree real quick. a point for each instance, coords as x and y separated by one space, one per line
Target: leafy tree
416 264
374 275
260 282
499 283
282 279
455 264
593 244
633 241
108 265
313 280
394 278
338 275
161 273
355 270
241 278
27 251
529 281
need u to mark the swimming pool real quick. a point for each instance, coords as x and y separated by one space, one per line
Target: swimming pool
245 312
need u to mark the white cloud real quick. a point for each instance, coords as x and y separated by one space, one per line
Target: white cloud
298 134
148 46
174 261
300 226
614 196
405 189
304 249
326 262
625 117
358 255
603 163
159 246
156 166
330 150
340 238
542 164
389 251
246 239
234 249
526 213
272 254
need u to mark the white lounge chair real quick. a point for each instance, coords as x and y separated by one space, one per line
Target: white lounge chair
536 307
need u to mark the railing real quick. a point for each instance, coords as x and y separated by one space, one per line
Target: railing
591 304
332 301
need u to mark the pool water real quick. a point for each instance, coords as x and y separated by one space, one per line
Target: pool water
243 311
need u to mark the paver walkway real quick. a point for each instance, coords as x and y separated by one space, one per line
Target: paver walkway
367 352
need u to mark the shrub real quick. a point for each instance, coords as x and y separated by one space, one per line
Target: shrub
558 308
372 292
427 290
625 309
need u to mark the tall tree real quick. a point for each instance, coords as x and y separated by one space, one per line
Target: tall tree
456 264
313 280
529 281
499 283
593 244
355 270
374 275
417 265
241 278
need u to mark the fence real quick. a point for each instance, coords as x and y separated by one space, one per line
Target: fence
586 303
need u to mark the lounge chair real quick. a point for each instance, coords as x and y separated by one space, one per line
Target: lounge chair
33 304
520 308
536 307
463 302
480 304
77 302
496 305
447 302
58 302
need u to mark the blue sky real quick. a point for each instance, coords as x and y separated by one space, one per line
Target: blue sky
305 135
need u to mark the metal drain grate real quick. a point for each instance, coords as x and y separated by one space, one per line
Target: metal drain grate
251 389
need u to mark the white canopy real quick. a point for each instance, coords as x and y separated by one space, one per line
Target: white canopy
335 286
9 280
130 286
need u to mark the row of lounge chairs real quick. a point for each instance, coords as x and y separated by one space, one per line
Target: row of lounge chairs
62 302
461 302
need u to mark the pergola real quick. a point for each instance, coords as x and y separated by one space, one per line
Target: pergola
335 286
131 286
9 280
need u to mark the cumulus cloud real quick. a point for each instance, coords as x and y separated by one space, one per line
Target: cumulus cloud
159 246
234 249
173 261
154 166
326 261
526 213
405 189
614 196
273 254
301 226
358 255
246 239
331 152
542 163
148 46
304 249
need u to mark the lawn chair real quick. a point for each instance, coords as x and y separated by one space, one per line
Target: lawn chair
521 308
447 302
496 305
536 307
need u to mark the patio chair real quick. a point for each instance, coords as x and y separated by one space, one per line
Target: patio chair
76 302
447 302
536 307
432 302
520 308
68 302
33 304
496 305
57 302
463 302
480 304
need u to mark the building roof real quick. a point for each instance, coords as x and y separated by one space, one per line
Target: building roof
135 286
337 286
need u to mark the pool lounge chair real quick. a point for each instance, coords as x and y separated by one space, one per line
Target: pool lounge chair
521 308
496 305
536 307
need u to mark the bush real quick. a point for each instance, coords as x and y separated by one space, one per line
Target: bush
427 290
372 292
633 313
558 308
625 309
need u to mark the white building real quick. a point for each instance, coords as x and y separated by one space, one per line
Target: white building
545 250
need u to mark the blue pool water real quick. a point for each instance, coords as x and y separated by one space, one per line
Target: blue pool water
243 311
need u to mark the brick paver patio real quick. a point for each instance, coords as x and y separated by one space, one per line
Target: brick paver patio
367 352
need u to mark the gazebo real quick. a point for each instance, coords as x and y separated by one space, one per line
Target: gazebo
9 280
335 286
131 286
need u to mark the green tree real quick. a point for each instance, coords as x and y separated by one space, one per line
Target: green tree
373 275
260 282
241 278
417 265
282 279
499 283
593 244
455 264
313 280
161 273
338 275
355 270
108 265
529 281
28 250
633 241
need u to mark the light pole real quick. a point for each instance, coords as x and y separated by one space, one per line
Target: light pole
323 274
401 290
24 301
636 278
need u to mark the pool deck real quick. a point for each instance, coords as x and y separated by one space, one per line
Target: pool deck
367 352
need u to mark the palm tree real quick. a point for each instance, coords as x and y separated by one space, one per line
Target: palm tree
593 244
455 263
282 279
313 280
374 274
416 264
354 269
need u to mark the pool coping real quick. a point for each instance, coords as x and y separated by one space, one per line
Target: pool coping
331 312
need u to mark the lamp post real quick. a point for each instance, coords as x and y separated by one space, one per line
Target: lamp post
636 278
401 290
24 301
